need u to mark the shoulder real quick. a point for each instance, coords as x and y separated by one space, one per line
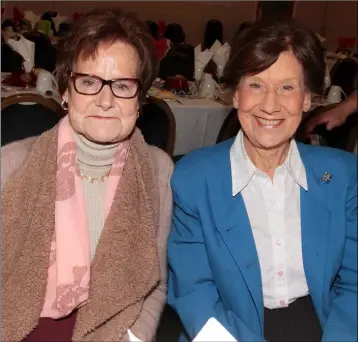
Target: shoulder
334 161
13 156
162 162
203 162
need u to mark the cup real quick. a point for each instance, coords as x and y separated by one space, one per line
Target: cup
334 94
45 82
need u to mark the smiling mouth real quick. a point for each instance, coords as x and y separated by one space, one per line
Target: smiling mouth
269 123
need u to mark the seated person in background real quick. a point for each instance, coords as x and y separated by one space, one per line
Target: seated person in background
334 117
264 235
11 61
24 26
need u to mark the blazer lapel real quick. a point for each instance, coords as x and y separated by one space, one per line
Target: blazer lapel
315 229
234 227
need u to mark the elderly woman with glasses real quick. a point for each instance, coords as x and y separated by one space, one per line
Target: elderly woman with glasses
86 207
264 236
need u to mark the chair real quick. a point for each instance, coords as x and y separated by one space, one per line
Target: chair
230 127
178 61
175 33
352 145
157 124
213 31
45 53
344 73
20 121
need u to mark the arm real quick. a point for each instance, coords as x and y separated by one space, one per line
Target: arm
192 289
342 320
146 325
336 116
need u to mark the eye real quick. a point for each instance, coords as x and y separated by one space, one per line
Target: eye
255 85
121 85
287 87
88 81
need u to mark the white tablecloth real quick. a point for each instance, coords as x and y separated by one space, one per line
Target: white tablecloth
8 90
198 122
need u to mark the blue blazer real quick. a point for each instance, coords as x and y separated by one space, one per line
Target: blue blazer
214 267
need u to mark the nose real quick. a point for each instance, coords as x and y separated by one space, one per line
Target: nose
105 98
270 104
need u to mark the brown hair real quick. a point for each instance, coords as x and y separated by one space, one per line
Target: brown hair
107 26
259 46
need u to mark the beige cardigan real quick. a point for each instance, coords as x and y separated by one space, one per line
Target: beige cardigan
15 154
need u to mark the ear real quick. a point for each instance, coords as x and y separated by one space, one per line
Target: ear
235 99
65 96
307 101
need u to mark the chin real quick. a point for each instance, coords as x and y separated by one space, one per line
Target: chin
103 139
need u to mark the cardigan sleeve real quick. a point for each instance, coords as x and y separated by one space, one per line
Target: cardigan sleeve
13 156
146 325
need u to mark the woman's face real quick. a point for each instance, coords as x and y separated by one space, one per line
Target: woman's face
270 104
104 118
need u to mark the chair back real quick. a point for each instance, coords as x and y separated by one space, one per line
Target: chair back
45 53
213 31
178 61
157 124
175 33
230 127
20 120
352 145
344 73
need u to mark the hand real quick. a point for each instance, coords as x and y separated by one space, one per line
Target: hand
332 118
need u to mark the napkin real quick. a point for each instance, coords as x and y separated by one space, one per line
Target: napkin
221 57
26 49
31 17
217 45
202 58
213 331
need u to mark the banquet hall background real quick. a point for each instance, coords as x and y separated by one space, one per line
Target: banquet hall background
330 18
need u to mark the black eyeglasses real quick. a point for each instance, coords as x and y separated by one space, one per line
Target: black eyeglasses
124 88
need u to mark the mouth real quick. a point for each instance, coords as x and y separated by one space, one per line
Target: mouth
270 124
101 117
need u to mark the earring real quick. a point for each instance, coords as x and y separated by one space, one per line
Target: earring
64 105
138 113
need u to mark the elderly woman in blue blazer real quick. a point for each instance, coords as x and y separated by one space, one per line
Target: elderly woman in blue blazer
264 236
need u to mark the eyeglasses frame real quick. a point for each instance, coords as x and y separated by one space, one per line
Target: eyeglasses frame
75 75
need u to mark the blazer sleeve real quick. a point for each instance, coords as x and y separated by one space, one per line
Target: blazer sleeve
192 290
342 320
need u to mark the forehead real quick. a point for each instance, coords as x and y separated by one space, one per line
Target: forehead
118 59
286 67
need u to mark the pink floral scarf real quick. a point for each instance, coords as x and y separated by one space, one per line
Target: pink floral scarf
69 268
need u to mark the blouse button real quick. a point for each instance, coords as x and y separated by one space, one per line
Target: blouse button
280 273
278 243
282 302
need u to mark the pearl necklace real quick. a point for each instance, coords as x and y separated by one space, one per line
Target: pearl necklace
94 179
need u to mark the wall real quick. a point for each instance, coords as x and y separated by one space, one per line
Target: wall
340 20
335 18
191 15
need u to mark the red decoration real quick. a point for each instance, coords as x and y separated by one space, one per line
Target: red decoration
77 16
161 27
17 15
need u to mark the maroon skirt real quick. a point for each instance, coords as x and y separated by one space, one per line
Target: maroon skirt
53 330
